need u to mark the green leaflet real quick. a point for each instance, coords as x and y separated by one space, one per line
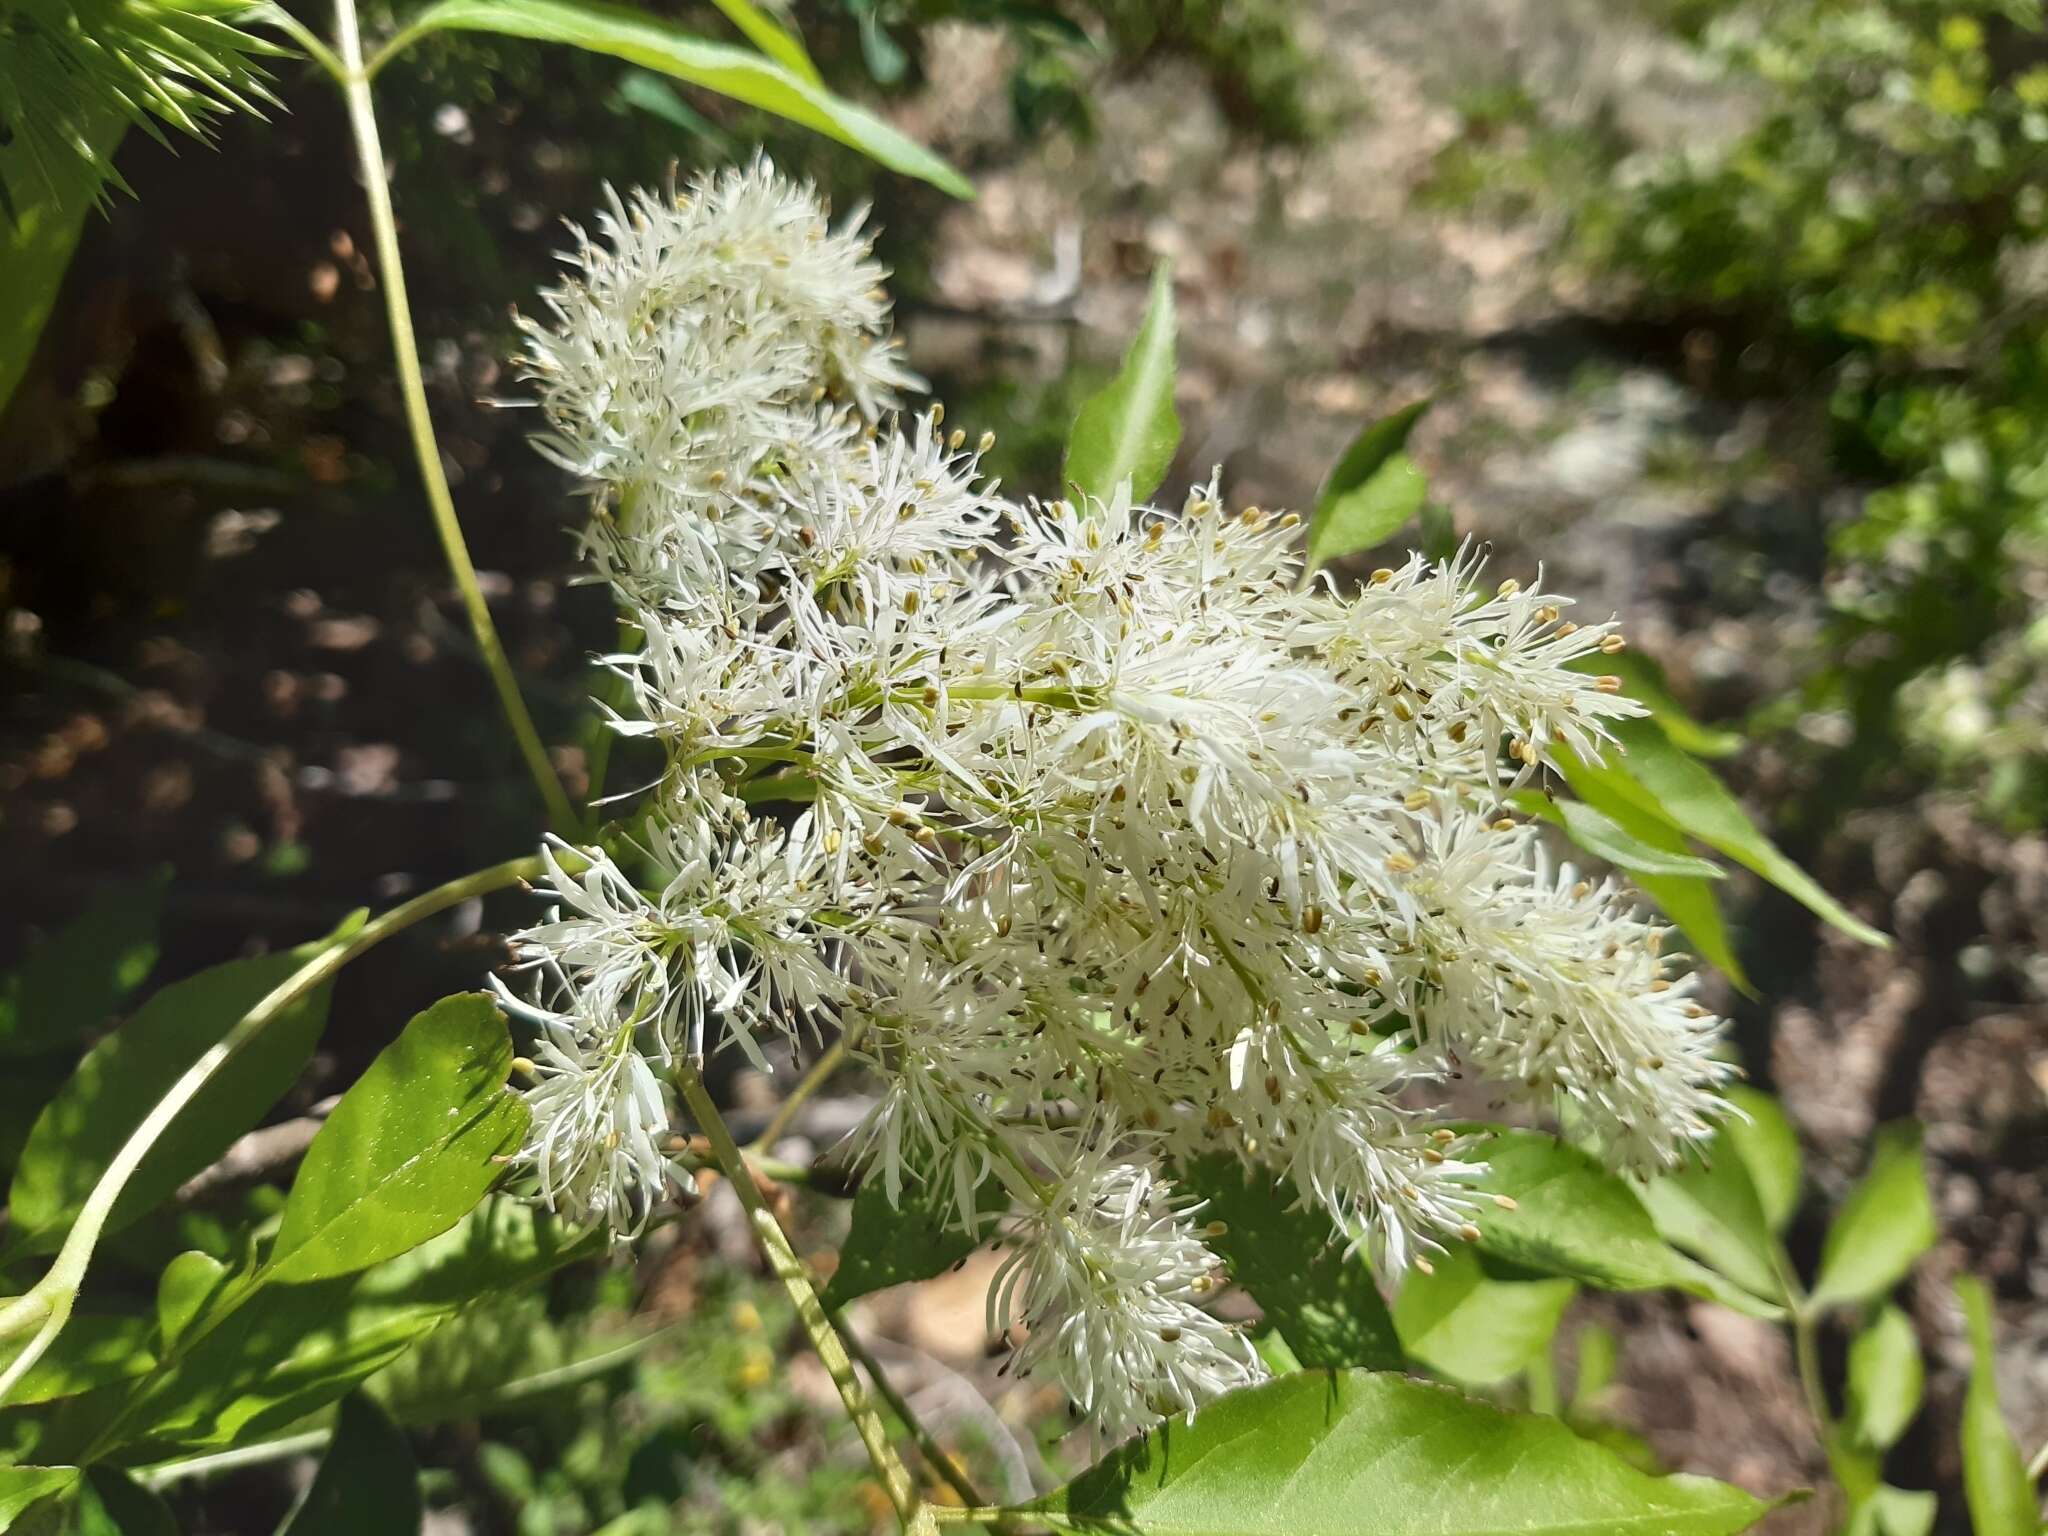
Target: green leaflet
652 43
1128 429
1355 1453
1886 1223
410 1149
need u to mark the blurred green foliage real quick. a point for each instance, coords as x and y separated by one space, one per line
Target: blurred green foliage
1879 230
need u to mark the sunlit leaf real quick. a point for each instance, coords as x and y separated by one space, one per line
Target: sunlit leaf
1128 430
1885 1380
1464 1324
739 73
1760 1134
410 1149
1362 1454
1995 1481
1709 1208
21 1488
1371 490
1886 1223
1574 1218
1605 838
1685 792
93 1350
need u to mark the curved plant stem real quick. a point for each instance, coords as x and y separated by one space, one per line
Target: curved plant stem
911 1511
405 347
935 1455
810 1083
2038 1467
47 1305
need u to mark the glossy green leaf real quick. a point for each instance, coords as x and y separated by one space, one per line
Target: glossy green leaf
410 1149
1361 1454
738 73
1995 1481
123 1077
111 1503
1605 838
1574 1218
771 37
73 981
1885 1380
914 1239
1685 792
1464 1324
1643 680
1886 1223
93 1350
367 1482
1292 1260
1371 490
188 1283
1368 514
1762 1136
21 1488
1688 901
1128 430
284 1351
1709 1208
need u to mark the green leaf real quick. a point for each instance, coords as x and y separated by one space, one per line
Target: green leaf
1995 1481
1688 901
409 1150
1762 1136
1605 838
1886 1223
1889 1511
738 73
914 1240
1885 1380
1371 490
1643 680
1128 429
1292 1260
1574 1218
188 1283
23 1487
1464 1324
771 37
1686 793
1710 1209
267 1355
36 242
85 1123
367 1480
72 982
1360 1454
123 1077
111 1503
93 1350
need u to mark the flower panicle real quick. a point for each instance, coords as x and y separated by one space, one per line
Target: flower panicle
1112 842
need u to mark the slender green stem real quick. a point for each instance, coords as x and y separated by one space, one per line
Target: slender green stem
811 1082
412 386
935 1455
2038 1467
789 1269
47 1305
307 39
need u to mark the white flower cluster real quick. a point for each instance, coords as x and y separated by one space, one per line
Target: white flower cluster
1108 842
